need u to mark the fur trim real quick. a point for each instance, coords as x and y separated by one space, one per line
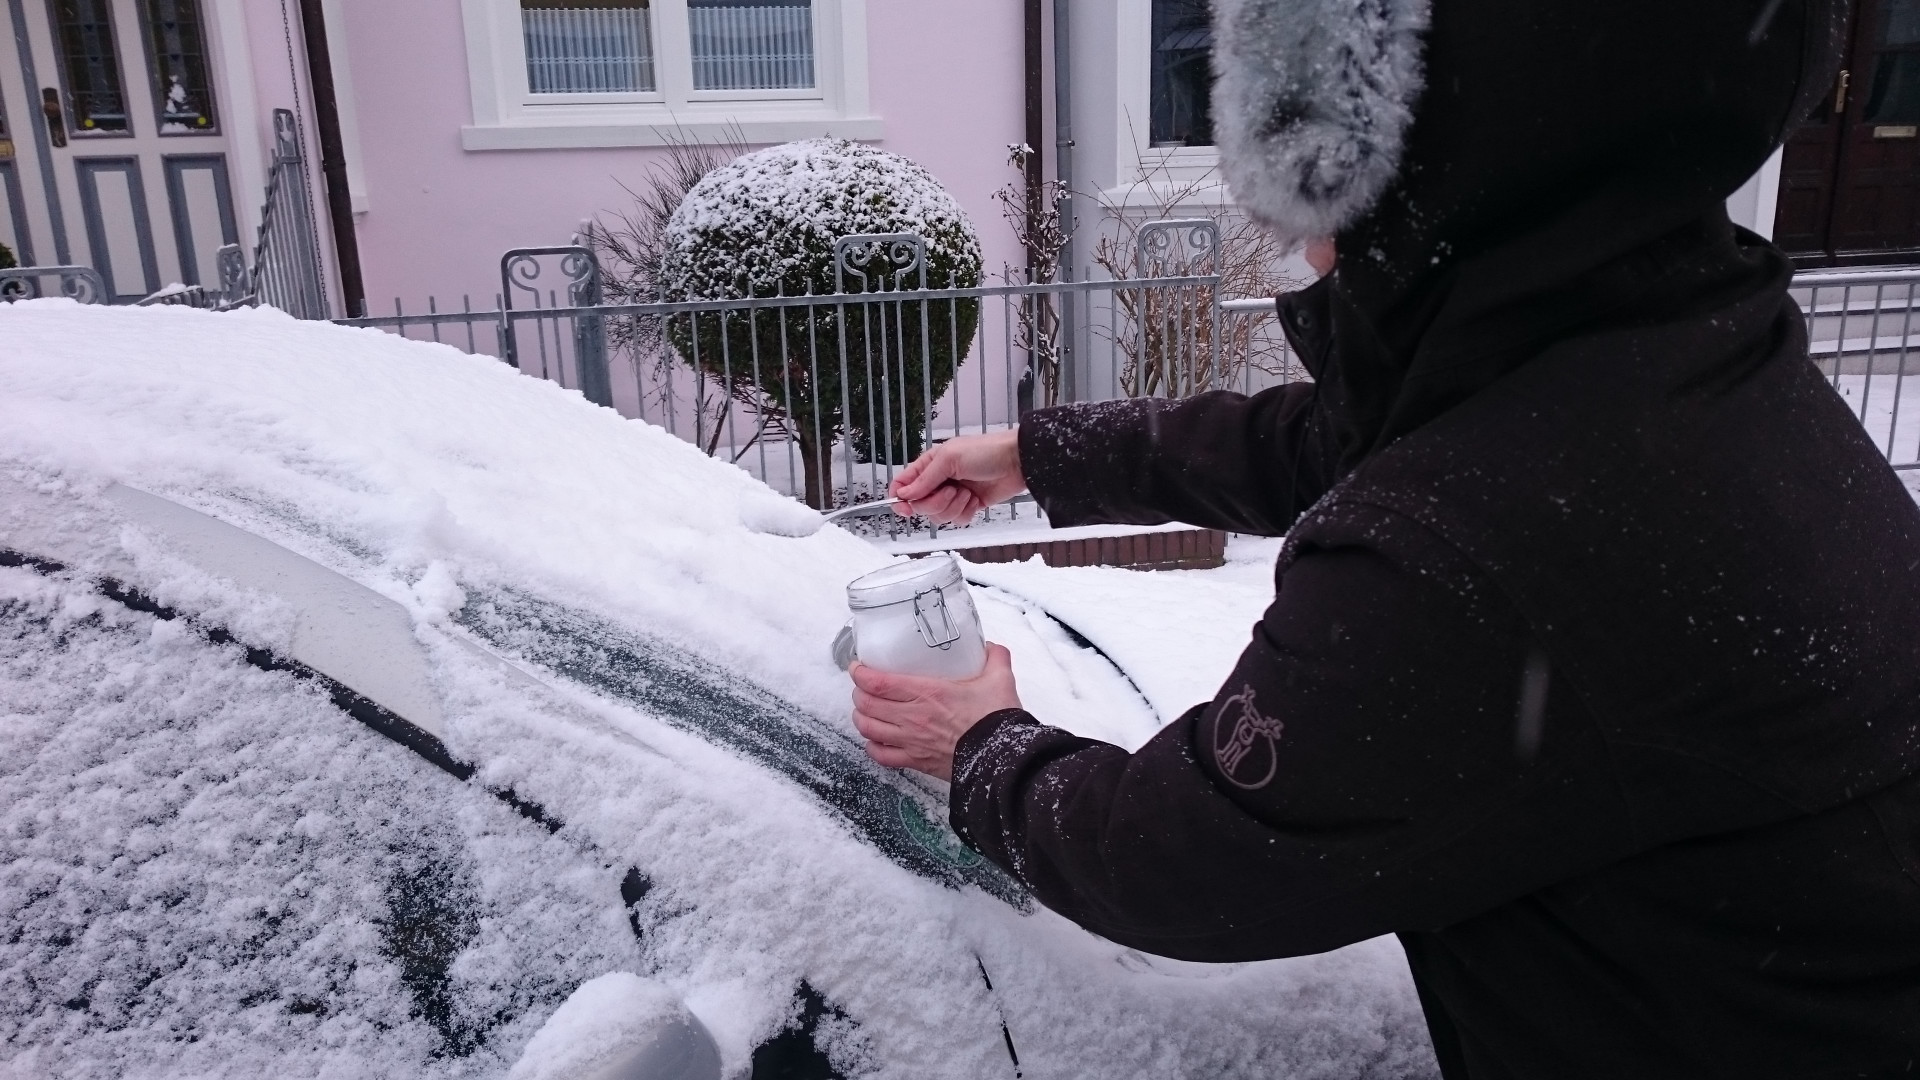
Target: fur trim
1311 105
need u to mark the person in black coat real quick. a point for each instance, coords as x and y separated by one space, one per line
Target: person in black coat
1593 668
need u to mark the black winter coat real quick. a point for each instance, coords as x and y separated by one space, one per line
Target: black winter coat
1601 689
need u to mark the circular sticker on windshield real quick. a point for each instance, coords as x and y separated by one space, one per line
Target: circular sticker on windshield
935 837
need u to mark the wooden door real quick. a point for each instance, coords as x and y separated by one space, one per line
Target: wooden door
1850 178
119 161
1876 204
1809 170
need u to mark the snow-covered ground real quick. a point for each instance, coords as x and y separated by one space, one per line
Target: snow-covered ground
1176 633
1888 404
209 870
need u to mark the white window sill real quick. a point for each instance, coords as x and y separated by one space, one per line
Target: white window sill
756 127
1186 176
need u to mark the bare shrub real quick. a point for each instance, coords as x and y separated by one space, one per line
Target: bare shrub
631 246
1165 336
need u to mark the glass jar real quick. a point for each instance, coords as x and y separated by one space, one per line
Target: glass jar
914 618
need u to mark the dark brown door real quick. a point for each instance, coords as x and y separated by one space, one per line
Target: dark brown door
1850 179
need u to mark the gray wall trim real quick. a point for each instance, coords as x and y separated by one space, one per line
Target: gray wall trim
10 176
41 144
87 171
177 166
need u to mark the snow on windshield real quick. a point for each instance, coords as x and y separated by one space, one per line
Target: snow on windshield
205 872
460 488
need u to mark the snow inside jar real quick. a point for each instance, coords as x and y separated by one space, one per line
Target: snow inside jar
914 618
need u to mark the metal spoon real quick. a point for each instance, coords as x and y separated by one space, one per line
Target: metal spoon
859 510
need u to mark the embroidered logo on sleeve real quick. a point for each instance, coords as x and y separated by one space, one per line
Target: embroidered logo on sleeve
1245 743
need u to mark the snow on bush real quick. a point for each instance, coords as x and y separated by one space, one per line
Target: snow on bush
765 225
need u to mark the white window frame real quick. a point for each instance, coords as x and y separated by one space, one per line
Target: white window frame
506 116
1112 113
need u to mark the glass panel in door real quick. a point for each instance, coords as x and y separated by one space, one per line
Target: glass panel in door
177 58
89 66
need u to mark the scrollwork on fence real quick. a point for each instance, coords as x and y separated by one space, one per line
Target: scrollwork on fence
81 283
881 262
1174 351
521 270
1186 247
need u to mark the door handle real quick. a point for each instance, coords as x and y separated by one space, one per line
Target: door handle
56 119
1840 94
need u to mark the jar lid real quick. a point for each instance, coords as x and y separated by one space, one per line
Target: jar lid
902 581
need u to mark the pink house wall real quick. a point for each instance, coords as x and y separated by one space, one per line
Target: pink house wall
945 78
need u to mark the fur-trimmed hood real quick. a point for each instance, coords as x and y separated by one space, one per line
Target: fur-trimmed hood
1498 174
1312 102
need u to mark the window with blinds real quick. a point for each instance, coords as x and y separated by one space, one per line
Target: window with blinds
588 46
751 44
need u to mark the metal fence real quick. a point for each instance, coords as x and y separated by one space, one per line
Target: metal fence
825 396
286 253
81 283
1860 330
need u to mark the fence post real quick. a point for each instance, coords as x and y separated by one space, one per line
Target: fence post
520 268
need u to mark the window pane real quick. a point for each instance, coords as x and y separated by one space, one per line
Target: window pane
1895 97
1903 23
91 64
588 47
752 44
1182 85
178 50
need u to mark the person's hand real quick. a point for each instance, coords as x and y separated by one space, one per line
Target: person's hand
913 722
959 478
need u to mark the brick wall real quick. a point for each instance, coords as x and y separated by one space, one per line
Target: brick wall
1187 549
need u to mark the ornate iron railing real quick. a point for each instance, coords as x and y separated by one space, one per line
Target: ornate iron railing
82 283
827 395
286 271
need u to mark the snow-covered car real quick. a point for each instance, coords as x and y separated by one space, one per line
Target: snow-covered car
363 701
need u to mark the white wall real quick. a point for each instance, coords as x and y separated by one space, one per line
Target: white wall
1753 205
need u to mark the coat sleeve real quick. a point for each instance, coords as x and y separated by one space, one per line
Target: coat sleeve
1364 770
1219 460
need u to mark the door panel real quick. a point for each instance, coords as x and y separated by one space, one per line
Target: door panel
1850 178
119 230
20 100
203 219
128 169
1880 152
13 212
13 215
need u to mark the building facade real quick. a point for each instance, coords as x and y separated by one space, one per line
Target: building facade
136 135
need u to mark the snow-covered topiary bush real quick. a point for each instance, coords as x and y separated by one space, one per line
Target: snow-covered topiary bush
765 225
